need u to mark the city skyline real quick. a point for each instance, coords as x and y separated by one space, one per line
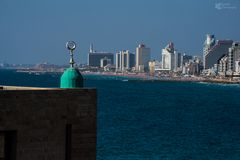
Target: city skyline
33 32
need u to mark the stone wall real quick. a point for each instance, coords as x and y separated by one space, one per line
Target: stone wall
40 119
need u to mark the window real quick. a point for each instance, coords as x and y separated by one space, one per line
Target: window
68 143
2 144
8 145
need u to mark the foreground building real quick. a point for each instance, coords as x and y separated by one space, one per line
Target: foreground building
46 123
49 123
143 55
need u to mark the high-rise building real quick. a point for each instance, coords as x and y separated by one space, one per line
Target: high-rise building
177 61
143 55
168 57
237 67
185 59
213 52
233 57
94 57
193 67
208 44
223 65
124 60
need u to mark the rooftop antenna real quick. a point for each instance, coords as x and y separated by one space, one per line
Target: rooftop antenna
71 46
91 48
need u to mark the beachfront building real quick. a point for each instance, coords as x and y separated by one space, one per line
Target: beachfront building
194 67
152 65
105 61
237 67
94 57
143 54
214 51
234 58
185 59
208 44
223 66
177 61
124 61
168 57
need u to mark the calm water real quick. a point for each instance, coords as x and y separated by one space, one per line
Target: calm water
158 120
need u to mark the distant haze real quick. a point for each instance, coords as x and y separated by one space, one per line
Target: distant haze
36 31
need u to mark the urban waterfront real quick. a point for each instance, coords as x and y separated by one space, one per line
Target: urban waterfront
157 120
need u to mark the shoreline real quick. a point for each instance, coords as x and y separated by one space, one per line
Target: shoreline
145 77
141 77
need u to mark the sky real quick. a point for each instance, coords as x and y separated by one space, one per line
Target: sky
36 31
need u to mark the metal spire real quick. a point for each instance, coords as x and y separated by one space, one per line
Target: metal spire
91 48
71 45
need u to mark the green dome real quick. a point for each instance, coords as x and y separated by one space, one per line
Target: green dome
71 78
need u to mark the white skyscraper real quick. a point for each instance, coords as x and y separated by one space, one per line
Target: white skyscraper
143 55
208 44
168 57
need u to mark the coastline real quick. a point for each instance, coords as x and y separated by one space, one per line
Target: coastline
137 76
145 77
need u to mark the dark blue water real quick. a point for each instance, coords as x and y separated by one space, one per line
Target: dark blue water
158 120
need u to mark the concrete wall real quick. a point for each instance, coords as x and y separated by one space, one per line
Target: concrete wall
39 118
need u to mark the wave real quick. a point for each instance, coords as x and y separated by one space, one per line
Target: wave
219 84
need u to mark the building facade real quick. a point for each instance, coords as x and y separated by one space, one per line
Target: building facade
94 57
152 68
185 59
105 61
47 123
234 58
213 52
124 60
223 65
177 61
208 44
143 55
168 57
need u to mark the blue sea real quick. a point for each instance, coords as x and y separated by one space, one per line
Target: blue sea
150 120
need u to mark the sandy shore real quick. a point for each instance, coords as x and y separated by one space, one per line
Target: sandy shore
145 77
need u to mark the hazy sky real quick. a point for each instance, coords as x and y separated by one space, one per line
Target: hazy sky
33 31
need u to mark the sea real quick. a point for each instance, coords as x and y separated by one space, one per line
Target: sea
152 120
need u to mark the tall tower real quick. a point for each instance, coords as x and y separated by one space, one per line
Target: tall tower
124 60
234 58
208 44
168 57
142 58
